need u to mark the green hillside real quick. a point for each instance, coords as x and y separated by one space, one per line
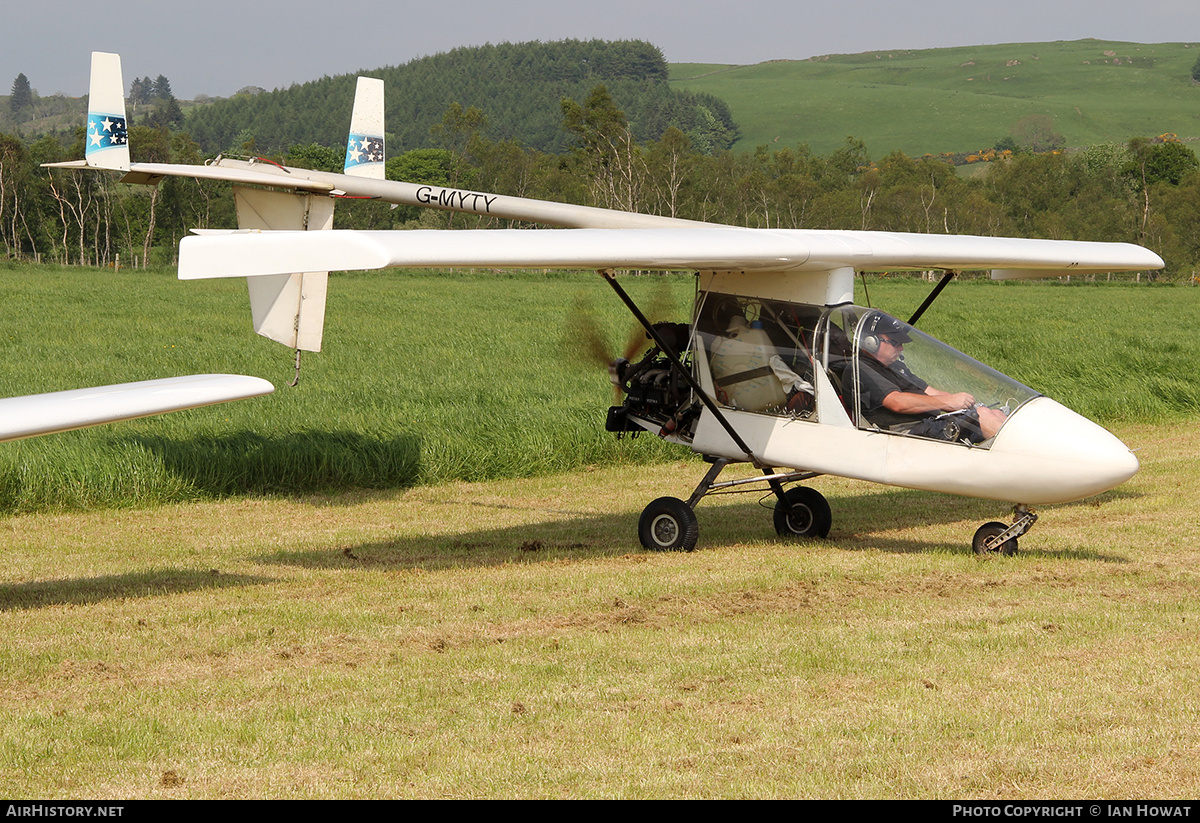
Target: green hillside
925 101
958 99
518 87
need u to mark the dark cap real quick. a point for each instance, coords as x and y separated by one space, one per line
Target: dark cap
880 324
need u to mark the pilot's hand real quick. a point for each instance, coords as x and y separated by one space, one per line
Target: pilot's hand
960 401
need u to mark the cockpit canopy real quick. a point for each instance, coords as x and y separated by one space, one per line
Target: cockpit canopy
760 357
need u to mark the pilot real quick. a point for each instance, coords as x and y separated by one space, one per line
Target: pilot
894 398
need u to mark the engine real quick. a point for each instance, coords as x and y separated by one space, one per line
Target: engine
654 389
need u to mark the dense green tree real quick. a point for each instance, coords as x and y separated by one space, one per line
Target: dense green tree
161 88
669 164
421 166
165 114
431 166
458 131
21 99
1036 133
141 90
1054 196
1007 143
1178 205
315 156
915 194
1160 162
16 169
606 149
845 164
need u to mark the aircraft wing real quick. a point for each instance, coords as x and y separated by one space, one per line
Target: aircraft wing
38 414
239 254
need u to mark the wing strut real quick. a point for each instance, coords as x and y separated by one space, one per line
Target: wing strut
933 295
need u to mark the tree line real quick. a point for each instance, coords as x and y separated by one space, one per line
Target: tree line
1146 191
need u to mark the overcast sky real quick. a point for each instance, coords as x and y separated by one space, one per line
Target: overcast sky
216 47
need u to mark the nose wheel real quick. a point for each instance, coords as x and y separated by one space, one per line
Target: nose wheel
999 538
989 539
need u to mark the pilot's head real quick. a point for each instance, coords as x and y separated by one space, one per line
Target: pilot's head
883 337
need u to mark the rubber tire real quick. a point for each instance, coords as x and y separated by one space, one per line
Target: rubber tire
668 525
804 514
989 530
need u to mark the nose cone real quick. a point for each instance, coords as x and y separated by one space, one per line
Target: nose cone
1060 455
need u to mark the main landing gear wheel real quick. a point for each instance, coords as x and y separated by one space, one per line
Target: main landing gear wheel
985 534
803 512
668 525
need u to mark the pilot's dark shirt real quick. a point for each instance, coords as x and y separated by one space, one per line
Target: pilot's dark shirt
877 381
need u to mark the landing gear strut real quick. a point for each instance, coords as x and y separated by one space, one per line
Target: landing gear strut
997 538
669 524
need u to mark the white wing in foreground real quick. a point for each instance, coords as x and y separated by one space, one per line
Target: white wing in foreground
707 249
38 414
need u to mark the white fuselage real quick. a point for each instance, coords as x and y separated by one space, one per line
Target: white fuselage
1045 453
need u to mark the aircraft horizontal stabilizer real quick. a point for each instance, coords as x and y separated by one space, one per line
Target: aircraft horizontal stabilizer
703 249
260 174
38 414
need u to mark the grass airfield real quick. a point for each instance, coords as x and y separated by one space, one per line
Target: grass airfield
510 638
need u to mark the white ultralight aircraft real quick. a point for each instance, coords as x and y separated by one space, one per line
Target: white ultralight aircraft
777 368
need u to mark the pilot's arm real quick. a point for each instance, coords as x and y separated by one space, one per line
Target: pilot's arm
932 401
936 401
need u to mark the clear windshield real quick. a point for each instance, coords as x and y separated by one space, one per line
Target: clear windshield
901 380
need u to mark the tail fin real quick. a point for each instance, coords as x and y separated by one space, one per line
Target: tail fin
290 308
364 150
107 129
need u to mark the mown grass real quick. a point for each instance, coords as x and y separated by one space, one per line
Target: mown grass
437 377
963 99
509 639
